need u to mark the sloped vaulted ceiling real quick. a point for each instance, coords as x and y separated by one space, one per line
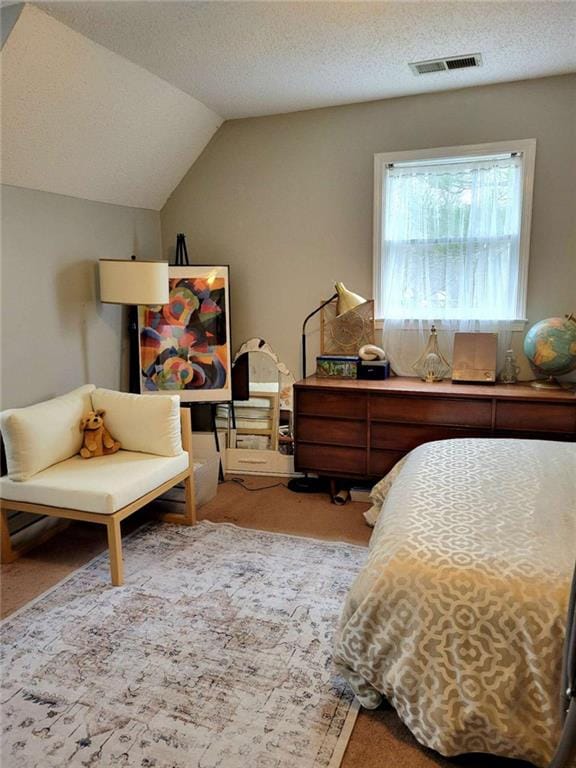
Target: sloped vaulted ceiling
80 120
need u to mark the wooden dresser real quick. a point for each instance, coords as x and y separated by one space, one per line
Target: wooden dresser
359 429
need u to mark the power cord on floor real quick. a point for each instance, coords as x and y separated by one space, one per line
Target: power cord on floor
237 480
242 483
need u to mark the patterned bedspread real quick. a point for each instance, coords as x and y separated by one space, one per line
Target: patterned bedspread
458 617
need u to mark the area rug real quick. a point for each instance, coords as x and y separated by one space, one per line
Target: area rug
215 654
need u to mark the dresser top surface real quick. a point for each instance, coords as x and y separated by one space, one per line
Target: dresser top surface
409 385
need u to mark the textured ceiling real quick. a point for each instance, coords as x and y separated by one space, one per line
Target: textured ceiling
253 58
80 120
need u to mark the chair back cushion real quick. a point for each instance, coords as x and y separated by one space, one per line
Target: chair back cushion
44 434
144 423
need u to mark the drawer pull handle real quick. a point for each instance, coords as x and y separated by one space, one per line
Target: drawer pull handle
252 461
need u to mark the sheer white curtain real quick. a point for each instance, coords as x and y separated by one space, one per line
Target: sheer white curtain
450 252
404 341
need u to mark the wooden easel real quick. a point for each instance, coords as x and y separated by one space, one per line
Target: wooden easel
181 255
181 260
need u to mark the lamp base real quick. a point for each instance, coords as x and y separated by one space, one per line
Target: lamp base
308 485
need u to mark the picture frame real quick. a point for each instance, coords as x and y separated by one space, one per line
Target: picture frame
184 346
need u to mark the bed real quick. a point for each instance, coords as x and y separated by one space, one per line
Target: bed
458 617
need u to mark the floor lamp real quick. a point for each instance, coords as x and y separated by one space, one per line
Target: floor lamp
346 302
309 317
131 283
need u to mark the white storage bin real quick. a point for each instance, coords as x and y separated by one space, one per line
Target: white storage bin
206 465
206 479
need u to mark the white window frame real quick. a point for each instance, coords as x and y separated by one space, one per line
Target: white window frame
526 148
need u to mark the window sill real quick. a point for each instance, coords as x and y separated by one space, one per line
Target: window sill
516 325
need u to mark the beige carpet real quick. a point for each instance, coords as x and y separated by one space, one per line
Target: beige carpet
379 740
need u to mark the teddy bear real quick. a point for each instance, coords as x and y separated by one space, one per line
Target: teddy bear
97 440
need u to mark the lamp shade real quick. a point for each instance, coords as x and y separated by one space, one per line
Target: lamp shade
133 282
346 299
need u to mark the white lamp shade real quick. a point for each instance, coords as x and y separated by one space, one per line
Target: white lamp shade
133 282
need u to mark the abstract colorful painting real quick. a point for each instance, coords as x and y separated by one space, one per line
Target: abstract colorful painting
185 344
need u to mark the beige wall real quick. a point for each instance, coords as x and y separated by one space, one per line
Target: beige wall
55 333
287 200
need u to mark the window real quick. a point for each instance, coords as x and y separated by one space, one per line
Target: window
452 230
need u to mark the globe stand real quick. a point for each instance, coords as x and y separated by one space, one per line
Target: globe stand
549 383
552 384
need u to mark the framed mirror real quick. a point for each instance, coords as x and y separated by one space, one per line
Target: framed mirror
259 419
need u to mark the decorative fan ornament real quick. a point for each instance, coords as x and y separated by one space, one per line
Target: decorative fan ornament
432 366
344 334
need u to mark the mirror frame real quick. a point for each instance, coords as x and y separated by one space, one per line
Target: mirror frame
257 344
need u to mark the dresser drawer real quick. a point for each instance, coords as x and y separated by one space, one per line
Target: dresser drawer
323 403
433 410
536 417
382 462
330 458
312 429
404 437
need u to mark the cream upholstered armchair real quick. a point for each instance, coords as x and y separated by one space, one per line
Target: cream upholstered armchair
47 476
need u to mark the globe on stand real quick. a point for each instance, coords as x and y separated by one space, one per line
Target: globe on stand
550 345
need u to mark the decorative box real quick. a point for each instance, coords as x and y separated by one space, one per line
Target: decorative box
337 366
373 369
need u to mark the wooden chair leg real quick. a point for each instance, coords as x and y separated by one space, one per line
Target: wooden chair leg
189 501
188 517
7 554
115 551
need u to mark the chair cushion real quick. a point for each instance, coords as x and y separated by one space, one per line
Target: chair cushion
146 423
103 484
43 434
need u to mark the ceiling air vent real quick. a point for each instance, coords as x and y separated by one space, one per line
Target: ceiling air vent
444 65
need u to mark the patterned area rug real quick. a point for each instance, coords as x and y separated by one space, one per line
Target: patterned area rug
215 654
